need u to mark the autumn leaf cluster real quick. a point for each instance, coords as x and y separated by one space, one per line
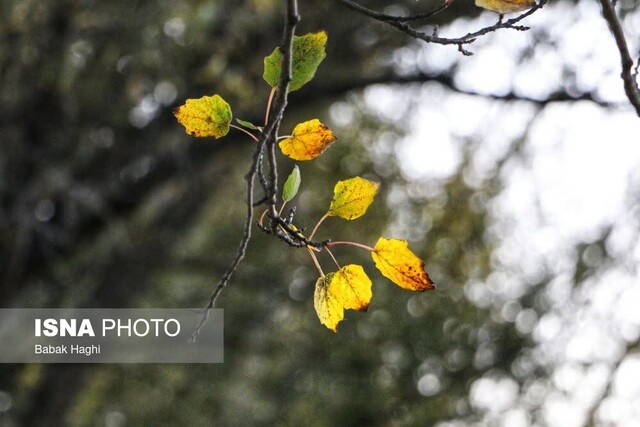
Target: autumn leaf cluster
348 288
211 116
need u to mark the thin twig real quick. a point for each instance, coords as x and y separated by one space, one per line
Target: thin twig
460 42
267 139
291 235
446 80
628 75
279 105
263 179
394 18
240 252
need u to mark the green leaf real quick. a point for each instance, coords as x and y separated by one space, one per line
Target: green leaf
248 125
308 53
206 116
291 185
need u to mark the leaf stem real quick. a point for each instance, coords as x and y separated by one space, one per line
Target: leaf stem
333 258
315 261
262 217
357 245
313 233
255 138
269 101
284 203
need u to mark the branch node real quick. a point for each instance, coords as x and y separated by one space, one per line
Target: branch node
464 51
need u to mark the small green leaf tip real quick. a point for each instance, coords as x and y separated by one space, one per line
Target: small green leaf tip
248 125
291 185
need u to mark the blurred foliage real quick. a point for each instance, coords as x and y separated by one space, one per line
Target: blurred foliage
105 202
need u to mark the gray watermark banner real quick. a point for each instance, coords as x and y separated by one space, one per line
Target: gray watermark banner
109 336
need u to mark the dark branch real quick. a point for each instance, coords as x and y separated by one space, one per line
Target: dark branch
278 107
446 80
393 18
290 234
267 140
629 75
401 24
242 248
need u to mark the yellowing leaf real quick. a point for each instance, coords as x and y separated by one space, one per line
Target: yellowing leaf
352 197
328 309
397 263
206 116
309 140
352 287
506 6
348 288
308 53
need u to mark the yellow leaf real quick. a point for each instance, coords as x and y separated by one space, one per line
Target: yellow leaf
397 263
329 311
309 140
352 287
348 288
206 116
352 197
506 6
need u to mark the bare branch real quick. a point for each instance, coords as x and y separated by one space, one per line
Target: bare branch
628 74
242 248
393 18
446 80
401 24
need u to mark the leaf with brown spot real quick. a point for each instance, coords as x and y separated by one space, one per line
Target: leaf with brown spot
399 264
309 140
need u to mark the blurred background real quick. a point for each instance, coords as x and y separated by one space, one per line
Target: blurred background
514 173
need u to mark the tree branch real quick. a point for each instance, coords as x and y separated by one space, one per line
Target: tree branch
628 74
267 140
278 107
401 24
341 87
393 18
